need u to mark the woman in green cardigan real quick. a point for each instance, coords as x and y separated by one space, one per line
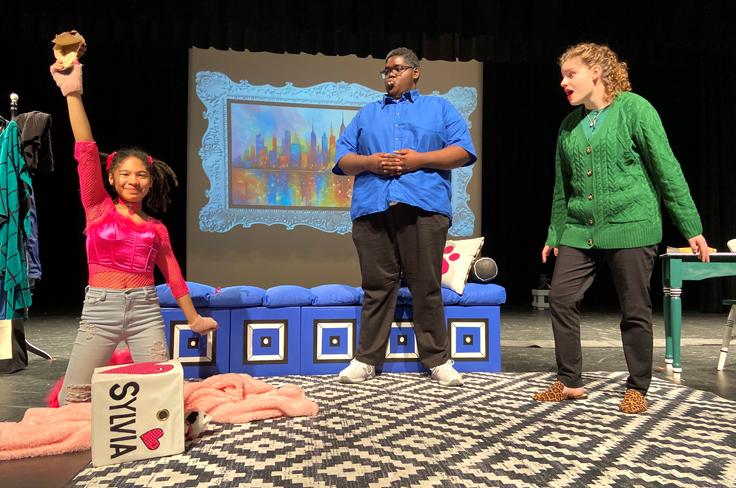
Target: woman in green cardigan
613 169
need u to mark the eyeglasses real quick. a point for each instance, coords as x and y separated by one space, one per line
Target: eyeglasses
396 70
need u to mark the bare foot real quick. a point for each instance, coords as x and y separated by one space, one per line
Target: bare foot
574 392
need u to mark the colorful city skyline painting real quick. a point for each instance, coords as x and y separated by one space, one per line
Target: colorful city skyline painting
281 155
268 152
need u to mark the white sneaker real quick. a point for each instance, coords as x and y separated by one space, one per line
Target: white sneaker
446 375
356 372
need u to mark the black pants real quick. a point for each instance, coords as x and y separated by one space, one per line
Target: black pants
631 270
409 239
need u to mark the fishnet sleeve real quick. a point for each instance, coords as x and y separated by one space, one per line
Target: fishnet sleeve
95 199
166 262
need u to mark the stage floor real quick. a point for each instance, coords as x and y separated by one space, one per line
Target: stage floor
526 346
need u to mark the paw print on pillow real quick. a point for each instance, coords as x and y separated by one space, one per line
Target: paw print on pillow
449 255
458 256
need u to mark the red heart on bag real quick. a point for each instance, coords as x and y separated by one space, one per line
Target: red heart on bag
141 368
150 438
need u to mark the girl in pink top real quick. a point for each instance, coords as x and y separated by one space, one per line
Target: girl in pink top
123 245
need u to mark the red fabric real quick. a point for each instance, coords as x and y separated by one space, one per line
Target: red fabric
120 252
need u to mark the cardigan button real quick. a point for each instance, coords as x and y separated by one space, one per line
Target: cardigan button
588 149
590 221
590 172
590 196
590 242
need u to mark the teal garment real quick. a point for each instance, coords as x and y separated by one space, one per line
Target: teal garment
15 185
594 115
609 189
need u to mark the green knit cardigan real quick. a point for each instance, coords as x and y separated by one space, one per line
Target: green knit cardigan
609 189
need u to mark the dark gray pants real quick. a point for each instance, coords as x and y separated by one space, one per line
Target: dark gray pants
409 239
631 270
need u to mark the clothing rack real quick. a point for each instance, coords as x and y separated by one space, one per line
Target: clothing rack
13 105
13 111
29 346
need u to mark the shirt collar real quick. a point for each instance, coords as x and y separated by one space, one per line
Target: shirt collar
411 95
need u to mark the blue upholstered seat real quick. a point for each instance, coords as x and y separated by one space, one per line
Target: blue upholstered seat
200 294
237 297
287 296
319 296
335 295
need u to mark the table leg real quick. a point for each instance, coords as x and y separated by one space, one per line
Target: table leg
676 328
667 329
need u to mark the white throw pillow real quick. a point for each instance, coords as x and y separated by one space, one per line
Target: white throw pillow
456 261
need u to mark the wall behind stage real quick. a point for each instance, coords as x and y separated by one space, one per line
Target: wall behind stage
268 255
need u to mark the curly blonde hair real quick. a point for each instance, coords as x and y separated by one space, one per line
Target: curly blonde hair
614 73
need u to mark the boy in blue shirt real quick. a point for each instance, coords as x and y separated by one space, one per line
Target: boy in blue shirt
401 150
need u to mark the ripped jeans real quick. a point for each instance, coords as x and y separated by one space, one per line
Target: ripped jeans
109 317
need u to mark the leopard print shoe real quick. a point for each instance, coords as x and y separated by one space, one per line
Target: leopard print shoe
556 393
633 402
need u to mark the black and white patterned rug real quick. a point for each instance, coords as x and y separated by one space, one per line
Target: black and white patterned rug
404 430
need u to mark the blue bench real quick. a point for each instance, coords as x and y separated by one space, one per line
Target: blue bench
289 329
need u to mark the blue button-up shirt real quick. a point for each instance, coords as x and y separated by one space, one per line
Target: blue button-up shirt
421 123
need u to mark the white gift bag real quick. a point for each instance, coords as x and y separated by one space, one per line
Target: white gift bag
6 339
137 412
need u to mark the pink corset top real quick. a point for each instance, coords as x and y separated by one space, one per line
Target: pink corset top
122 246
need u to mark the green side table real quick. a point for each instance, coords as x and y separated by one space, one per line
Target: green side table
676 268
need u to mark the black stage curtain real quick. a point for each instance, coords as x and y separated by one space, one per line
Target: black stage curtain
133 97
485 30
681 57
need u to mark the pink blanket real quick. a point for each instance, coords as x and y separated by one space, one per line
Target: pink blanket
237 398
227 398
47 431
